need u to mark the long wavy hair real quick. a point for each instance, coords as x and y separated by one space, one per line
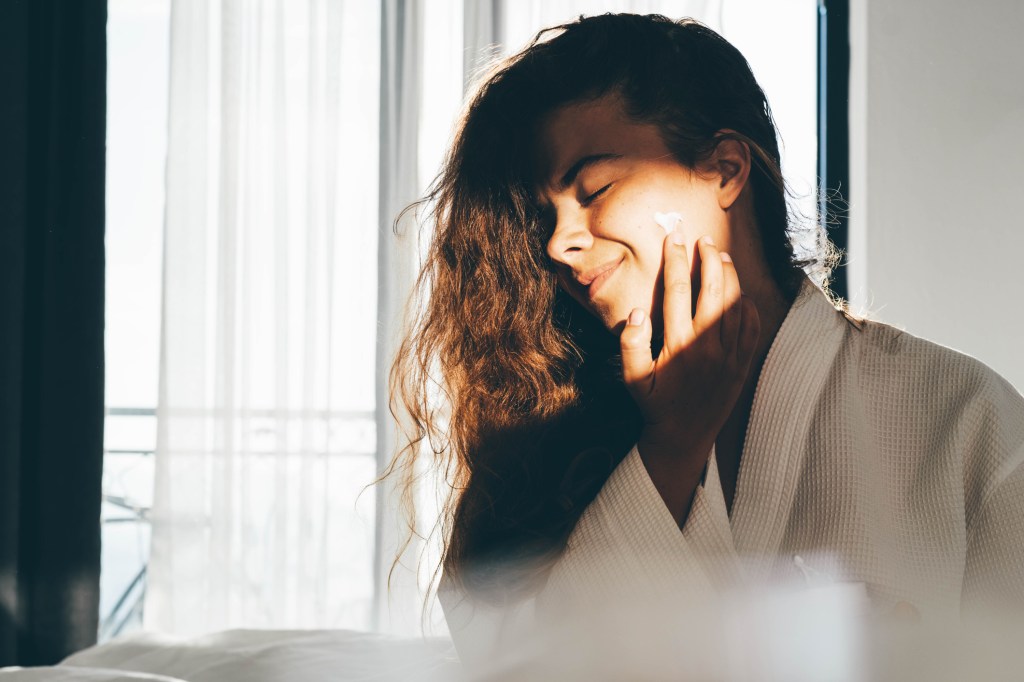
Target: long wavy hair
503 382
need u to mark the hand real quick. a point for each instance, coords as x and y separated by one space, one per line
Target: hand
687 393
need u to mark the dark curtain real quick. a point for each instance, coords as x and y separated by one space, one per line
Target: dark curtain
834 127
52 163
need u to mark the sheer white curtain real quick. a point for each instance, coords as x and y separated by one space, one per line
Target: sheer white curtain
266 418
298 130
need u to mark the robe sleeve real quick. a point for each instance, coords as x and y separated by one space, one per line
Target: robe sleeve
994 571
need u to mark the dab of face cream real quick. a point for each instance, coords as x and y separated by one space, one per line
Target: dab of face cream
668 221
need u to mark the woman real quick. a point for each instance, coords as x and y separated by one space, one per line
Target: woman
644 388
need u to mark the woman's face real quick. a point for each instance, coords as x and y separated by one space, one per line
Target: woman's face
603 179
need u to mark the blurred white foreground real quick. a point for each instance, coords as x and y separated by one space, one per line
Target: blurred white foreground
825 632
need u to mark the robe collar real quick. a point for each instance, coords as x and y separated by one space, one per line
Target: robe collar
788 391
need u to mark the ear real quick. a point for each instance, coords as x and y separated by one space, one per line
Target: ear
731 163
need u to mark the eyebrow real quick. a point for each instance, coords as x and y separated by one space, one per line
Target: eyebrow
585 162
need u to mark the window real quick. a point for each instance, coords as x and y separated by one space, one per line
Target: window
137 72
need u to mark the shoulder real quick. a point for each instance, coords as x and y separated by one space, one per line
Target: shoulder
915 367
946 395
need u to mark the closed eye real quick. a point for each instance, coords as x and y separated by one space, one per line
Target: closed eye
590 199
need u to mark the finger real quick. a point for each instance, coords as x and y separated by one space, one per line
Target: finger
678 304
732 315
635 342
709 301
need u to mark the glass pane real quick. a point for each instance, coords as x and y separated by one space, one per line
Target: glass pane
137 73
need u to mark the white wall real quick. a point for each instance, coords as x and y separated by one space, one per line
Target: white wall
937 172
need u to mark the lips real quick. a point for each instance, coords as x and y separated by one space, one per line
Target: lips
592 280
587 278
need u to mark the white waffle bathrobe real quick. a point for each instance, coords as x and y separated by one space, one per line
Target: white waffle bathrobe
880 457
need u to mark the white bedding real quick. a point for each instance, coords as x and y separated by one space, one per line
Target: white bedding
255 656
73 674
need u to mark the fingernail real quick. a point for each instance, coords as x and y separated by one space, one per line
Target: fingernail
636 317
708 240
726 257
677 238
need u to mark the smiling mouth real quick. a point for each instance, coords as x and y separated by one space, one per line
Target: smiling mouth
596 284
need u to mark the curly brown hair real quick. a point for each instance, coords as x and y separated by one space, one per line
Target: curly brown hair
532 415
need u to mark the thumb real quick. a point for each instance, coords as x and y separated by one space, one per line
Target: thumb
635 341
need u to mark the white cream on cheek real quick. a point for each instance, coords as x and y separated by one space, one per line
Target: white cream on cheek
668 221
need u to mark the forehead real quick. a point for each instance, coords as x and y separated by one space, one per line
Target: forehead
598 126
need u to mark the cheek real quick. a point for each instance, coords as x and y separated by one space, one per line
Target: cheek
628 217
630 225
674 192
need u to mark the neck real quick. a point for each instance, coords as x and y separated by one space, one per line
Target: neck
772 308
747 250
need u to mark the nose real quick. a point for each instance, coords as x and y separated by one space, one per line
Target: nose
570 238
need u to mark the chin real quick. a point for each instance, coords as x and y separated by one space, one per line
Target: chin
614 318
